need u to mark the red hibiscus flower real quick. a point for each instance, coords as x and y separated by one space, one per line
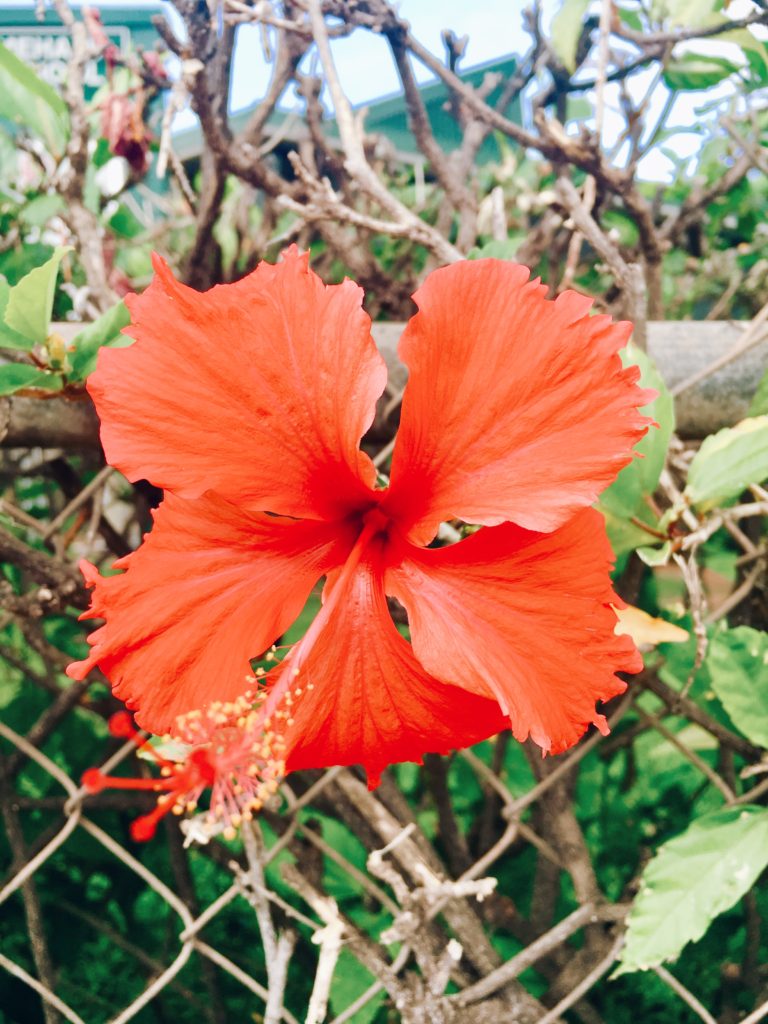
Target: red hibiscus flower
247 405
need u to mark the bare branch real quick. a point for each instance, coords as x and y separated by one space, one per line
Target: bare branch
355 160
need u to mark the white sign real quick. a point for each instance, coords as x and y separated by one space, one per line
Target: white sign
48 49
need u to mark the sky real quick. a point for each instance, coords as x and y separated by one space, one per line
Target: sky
366 68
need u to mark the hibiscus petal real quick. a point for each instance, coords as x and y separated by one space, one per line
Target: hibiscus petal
524 617
210 588
361 697
517 408
259 390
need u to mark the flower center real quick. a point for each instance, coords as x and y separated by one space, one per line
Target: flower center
375 522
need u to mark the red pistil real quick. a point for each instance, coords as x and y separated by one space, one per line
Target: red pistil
230 751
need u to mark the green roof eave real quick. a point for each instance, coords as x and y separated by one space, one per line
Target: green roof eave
135 13
386 116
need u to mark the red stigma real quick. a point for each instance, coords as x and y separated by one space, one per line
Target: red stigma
144 828
200 761
121 726
225 748
93 780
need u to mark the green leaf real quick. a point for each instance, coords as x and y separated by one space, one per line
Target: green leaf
29 102
759 403
497 248
624 226
104 332
566 29
631 19
8 337
728 462
693 71
758 64
641 476
624 499
578 108
30 302
691 880
695 13
15 376
41 209
623 534
12 339
350 980
749 43
125 222
654 557
336 881
737 660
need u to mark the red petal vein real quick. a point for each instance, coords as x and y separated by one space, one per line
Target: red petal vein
362 697
523 617
517 408
259 390
211 587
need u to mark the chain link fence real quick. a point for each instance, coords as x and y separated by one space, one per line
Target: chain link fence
489 886
436 922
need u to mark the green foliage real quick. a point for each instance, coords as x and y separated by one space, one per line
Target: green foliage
566 29
691 880
654 557
25 314
350 980
692 71
641 476
39 210
102 333
626 499
498 249
737 660
622 225
728 462
694 13
9 338
15 376
630 19
25 100
30 302
759 403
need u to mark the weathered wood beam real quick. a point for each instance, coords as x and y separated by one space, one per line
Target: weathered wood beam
679 348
